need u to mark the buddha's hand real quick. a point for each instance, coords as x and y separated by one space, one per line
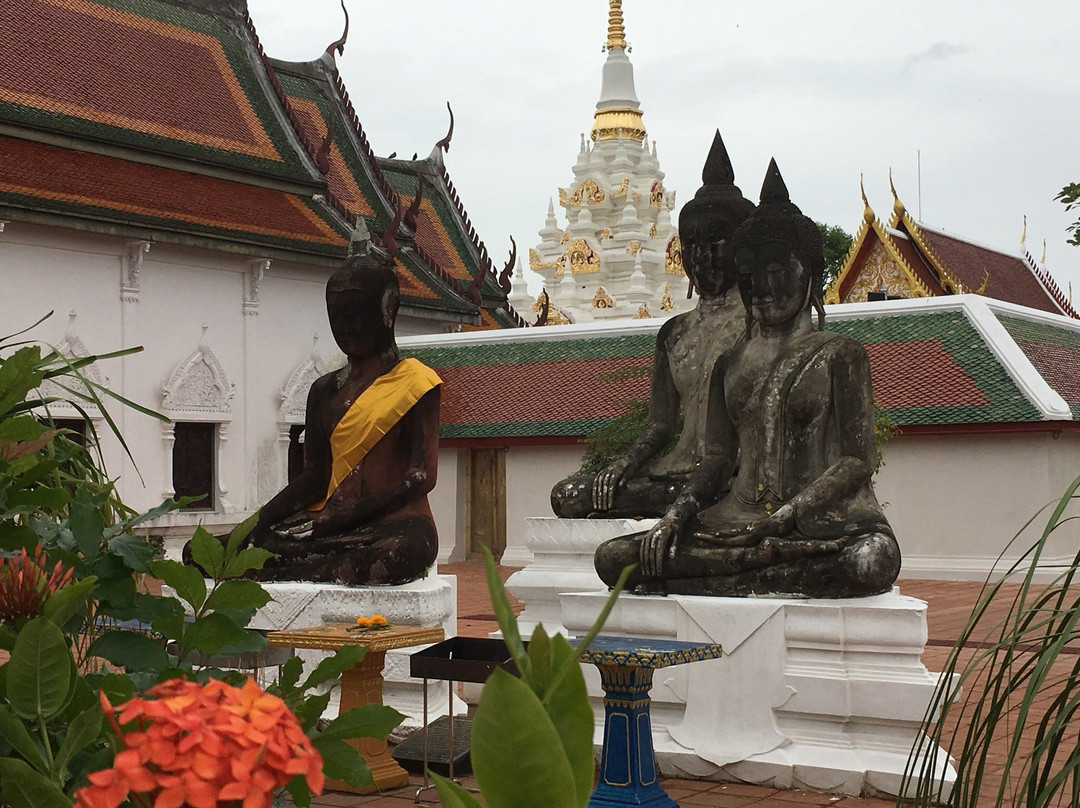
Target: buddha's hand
779 523
296 528
607 483
658 543
414 478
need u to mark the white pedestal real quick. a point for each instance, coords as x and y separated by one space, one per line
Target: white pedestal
562 561
431 601
825 695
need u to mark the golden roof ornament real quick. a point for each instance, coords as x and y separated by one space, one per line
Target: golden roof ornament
868 213
898 206
616 35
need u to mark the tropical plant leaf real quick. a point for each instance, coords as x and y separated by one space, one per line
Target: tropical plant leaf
187 581
62 604
365 721
129 649
39 672
341 761
451 795
87 527
210 633
136 551
207 552
25 788
239 533
18 376
505 615
15 733
346 658
250 558
237 595
567 705
83 730
511 724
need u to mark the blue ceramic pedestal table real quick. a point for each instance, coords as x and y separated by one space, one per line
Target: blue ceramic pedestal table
628 775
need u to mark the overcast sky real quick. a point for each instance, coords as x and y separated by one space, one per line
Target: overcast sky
987 92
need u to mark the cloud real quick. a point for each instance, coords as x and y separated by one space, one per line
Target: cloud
938 52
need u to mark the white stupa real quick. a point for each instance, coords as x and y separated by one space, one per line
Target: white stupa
618 256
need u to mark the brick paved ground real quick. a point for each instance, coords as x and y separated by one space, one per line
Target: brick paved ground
950 604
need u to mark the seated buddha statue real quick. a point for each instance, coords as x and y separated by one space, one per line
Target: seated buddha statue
646 479
794 405
358 511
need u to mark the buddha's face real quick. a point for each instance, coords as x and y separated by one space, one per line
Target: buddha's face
706 255
773 283
362 308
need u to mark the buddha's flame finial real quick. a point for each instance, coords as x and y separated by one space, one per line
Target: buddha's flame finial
616 35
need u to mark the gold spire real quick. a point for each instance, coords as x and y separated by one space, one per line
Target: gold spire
868 214
616 34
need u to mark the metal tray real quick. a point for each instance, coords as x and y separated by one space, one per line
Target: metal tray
462 659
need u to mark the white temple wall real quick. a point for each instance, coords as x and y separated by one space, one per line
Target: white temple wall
956 501
531 471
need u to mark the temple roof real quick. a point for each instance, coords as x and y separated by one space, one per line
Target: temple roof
905 258
165 120
961 363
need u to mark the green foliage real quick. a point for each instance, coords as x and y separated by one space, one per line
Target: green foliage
1019 691
885 429
1070 198
837 243
532 737
55 493
612 440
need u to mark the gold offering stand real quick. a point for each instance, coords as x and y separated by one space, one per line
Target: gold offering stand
362 684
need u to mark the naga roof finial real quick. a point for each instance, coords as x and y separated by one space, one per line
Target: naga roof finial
339 45
444 144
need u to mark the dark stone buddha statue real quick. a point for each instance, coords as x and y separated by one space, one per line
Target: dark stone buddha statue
358 511
793 405
646 479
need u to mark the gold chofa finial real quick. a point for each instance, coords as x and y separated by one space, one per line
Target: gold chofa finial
868 213
1023 236
1043 259
616 34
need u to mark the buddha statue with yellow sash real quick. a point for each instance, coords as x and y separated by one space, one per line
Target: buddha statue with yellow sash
358 511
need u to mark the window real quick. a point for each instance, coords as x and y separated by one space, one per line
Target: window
193 469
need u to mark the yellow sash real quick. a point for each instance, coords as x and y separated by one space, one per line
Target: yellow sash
373 414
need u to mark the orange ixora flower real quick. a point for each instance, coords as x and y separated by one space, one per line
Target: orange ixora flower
203 746
26 583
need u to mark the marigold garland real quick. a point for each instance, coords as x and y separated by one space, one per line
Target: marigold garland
374 623
203 746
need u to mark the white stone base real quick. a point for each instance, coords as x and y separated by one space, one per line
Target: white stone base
431 601
562 561
825 695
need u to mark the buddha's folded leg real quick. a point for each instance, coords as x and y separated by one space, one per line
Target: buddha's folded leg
391 551
856 566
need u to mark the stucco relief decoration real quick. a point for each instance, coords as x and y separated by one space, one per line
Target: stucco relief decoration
624 187
605 233
880 272
73 348
673 263
643 312
652 230
199 385
133 262
535 261
293 409
634 247
581 257
588 193
564 199
253 280
602 300
565 238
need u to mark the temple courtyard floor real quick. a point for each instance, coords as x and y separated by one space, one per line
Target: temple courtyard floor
950 604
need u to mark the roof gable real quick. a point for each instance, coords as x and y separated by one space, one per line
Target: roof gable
146 74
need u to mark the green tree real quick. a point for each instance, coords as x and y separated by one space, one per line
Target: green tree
837 242
1070 198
